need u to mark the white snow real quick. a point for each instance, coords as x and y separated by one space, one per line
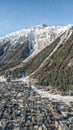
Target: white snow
2 79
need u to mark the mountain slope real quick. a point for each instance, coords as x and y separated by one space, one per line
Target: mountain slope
28 67
16 47
58 70
51 66
44 53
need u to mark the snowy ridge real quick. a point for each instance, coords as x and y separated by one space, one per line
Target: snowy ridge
38 37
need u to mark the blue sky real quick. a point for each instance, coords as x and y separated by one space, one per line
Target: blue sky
18 14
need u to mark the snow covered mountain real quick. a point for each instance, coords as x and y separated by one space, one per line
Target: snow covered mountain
38 37
43 52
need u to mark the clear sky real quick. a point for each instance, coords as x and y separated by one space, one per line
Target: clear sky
19 14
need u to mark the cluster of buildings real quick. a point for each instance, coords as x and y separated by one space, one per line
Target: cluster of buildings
23 109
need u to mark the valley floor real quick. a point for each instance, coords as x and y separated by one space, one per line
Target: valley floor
25 107
47 94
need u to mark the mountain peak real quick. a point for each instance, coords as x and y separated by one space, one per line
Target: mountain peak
41 26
